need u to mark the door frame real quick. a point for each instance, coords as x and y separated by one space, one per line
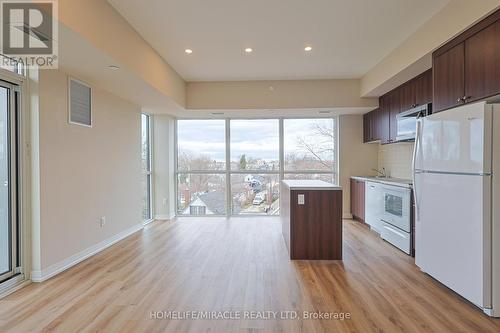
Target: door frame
24 132
12 142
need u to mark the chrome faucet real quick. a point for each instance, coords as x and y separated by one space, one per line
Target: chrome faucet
382 173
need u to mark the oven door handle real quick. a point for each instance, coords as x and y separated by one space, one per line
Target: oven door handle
395 231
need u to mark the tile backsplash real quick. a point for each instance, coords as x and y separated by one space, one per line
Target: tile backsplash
396 159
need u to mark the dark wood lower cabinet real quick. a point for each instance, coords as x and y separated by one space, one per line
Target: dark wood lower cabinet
358 199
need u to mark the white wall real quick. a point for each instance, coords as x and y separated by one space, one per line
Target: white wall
396 159
85 173
356 158
287 94
163 167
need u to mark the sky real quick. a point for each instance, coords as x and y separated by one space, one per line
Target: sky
255 138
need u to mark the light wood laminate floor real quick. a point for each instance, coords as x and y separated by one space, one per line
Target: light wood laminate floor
214 264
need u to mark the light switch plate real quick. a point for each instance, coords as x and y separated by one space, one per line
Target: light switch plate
301 199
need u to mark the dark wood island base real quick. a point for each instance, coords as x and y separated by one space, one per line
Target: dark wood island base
311 214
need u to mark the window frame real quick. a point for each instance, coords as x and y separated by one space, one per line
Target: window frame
18 70
148 173
228 171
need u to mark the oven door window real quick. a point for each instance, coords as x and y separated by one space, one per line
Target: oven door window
393 205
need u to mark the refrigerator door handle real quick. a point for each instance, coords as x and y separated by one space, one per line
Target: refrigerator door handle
415 152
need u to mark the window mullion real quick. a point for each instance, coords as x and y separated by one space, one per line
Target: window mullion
229 201
281 151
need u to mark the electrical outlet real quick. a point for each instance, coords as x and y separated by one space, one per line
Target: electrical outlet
301 199
164 202
102 222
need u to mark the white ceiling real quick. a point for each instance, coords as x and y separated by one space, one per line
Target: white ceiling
349 37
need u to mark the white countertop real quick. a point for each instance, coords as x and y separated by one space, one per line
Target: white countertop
310 185
408 183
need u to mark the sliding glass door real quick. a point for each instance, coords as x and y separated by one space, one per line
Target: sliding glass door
9 228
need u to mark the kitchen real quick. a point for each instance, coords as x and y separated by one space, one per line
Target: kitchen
434 195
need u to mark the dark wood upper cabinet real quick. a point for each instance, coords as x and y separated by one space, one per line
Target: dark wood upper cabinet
376 118
423 88
408 95
367 127
384 125
382 122
467 68
482 63
394 106
448 71
416 92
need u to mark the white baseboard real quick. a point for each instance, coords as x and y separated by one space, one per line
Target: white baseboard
47 273
347 216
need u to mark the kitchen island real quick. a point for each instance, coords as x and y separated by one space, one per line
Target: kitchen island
311 216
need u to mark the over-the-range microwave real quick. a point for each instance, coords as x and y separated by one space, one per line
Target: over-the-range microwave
406 122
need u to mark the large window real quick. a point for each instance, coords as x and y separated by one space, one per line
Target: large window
234 167
255 166
147 211
255 145
201 165
201 145
309 149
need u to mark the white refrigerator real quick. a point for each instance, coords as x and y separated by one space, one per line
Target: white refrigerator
457 201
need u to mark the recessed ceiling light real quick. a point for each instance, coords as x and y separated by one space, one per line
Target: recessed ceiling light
113 67
248 50
188 51
308 48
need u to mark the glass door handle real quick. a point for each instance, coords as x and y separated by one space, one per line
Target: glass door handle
5 183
